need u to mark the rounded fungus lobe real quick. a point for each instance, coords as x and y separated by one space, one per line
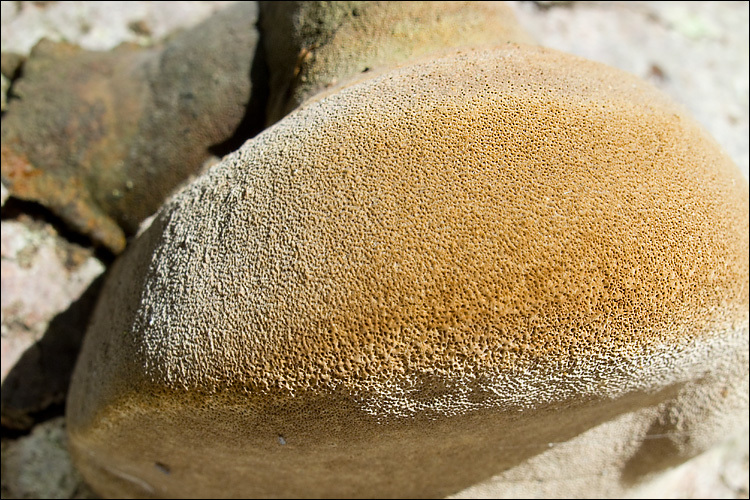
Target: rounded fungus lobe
420 282
313 46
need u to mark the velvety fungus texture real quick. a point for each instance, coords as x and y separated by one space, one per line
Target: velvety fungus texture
314 46
418 284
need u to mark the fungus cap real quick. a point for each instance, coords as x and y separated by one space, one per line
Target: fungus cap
416 283
312 46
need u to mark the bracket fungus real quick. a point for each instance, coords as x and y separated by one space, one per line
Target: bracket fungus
313 46
102 138
415 285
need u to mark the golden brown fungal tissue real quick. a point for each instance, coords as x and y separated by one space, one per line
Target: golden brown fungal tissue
313 46
491 269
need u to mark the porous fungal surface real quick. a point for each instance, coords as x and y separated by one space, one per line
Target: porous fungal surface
311 46
417 282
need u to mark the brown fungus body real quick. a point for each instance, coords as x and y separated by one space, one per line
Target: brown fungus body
416 285
313 46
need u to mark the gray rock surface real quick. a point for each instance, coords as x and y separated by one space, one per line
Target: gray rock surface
39 466
45 307
145 120
98 25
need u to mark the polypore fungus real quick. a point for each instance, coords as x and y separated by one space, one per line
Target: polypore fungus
312 46
416 285
101 138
